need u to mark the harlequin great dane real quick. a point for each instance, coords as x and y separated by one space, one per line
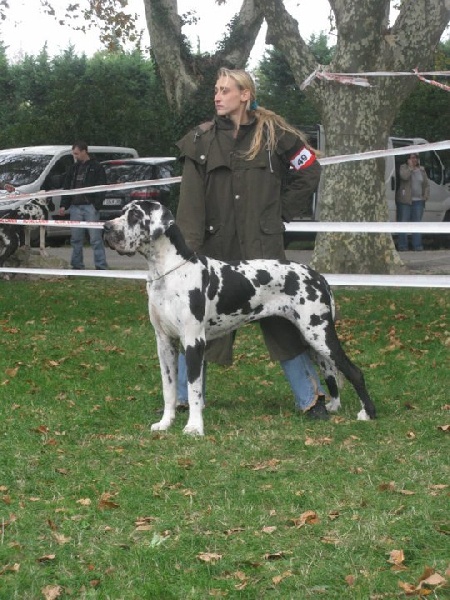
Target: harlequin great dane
193 299
12 236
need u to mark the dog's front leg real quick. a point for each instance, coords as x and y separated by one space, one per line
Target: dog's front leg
43 252
168 354
195 353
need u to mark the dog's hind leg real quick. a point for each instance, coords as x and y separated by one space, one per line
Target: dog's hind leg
331 377
168 354
333 350
195 364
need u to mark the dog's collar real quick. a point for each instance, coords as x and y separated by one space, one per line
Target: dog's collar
193 255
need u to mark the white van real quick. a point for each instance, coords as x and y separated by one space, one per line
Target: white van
35 168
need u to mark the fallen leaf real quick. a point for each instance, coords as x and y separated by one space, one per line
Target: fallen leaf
10 568
350 580
12 372
50 592
269 529
46 558
105 501
308 517
275 555
396 558
444 428
279 578
319 441
84 501
209 557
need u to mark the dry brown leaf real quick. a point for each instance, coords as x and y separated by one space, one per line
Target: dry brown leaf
105 501
390 487
350 580
396 557
209 557
279 578
275 555
319 441
444 428
50 592
12 372
10 568
84 501
43 429
308 517
333 514
234 530
328 539
46 558
269 529
268 464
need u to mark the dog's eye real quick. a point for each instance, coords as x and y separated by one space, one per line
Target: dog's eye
133 217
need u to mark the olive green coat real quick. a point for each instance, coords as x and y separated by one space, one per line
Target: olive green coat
231 208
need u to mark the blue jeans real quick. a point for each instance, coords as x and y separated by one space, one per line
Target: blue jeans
86 212
407 213
299 371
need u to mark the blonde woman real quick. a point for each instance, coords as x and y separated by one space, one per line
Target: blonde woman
244 173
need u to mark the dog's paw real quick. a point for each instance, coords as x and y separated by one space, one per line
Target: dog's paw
333 405
363 416
192 429
162 425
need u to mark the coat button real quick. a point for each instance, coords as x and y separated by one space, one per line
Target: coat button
211 228
202 157
237 197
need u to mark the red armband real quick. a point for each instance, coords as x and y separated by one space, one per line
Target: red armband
303 158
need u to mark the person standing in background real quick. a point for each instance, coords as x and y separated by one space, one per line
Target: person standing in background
85 172
413 192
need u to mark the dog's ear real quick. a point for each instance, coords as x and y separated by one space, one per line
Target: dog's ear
160 220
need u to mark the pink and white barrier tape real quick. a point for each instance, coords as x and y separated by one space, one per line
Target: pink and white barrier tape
361 78
308 226
91 189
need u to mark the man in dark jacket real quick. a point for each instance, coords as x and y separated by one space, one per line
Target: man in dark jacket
85 172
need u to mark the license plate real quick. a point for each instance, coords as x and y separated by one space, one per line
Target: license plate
112 201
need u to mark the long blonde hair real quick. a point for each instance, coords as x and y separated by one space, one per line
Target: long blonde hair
267 121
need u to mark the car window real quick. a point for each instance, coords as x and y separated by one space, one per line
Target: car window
123 173
101 156
22 169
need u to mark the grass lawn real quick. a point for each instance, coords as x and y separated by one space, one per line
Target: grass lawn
266 505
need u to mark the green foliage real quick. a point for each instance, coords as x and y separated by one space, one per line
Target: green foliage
266 505
424 113
278 91
111 98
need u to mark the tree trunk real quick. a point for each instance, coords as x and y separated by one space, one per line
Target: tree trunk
183 72
357 119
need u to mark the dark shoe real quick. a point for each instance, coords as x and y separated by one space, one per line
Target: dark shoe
318 412
418 249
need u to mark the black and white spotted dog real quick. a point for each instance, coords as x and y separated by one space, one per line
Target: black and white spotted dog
194 298
13 236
